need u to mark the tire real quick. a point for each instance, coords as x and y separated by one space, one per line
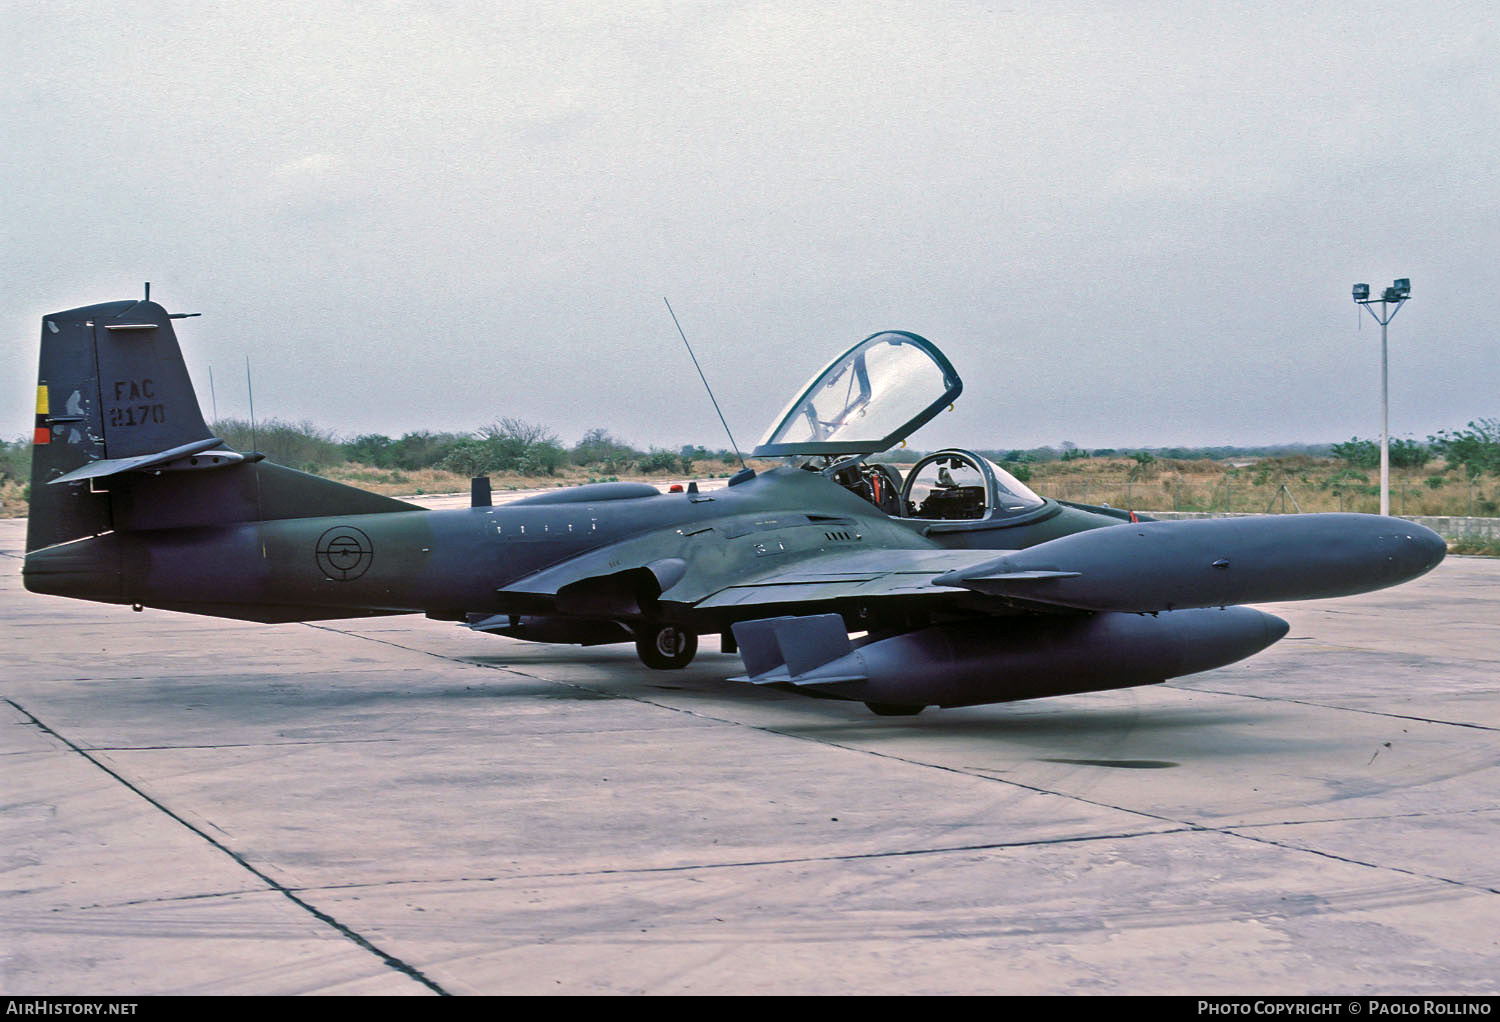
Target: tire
665 647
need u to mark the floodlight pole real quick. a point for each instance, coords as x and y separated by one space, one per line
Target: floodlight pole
1391 300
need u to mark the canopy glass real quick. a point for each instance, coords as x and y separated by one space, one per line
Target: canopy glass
868 399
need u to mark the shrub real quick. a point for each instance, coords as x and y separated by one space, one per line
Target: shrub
1358 453
658 460
15 460
369 449
414 451
525 447
296 444
600 446
1477 448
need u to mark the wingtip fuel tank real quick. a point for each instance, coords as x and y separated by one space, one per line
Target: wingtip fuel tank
972 662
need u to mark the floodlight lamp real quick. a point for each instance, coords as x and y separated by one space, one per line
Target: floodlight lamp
1403 287
1361 292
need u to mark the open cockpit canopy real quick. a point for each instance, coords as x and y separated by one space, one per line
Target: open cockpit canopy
869 399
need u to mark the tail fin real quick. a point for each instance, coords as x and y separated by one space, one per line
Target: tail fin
119 439
111 385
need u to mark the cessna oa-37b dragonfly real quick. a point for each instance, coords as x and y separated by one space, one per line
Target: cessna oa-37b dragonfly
966 586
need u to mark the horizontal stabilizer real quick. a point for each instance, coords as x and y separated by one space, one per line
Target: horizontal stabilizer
160 460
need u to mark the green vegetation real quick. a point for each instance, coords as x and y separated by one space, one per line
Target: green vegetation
1359 453
15 460
1453 473
507 447
521 454
1475 545
1290 483
1477 448
15 475
599 447
299 445
417 450
510 445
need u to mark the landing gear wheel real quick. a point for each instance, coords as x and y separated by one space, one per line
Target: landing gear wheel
894 709
665 647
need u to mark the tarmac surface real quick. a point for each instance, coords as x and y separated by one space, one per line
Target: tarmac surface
396 805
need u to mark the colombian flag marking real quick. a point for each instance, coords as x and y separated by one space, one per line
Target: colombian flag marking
42 434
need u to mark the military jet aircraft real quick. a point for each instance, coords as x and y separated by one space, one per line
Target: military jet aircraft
958 584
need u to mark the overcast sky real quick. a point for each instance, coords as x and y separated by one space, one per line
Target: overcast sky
1127 224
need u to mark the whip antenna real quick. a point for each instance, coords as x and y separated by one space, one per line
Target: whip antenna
706 387
250 389
254 444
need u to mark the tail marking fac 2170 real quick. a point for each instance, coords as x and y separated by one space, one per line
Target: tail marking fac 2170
947 582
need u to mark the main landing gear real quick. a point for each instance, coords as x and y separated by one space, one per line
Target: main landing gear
665 647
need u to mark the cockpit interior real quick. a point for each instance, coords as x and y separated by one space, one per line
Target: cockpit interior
950 485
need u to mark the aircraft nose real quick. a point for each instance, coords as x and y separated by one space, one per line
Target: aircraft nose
1276 628
1417 548
1433 547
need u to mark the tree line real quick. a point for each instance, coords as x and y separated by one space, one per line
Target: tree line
509 445
513 445
1475 449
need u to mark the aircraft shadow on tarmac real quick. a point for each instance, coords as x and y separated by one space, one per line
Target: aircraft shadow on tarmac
1067 726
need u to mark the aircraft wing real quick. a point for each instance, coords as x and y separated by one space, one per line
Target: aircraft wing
610 583
860 575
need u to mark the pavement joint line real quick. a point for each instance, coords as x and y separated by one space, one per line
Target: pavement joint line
1229 831
1332 706
1369 865
237 745
391 961
1324 646
1364 819
708 866
792 860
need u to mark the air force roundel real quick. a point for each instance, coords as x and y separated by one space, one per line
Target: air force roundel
344 553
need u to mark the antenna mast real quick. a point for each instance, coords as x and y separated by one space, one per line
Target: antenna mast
254 443
706 387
